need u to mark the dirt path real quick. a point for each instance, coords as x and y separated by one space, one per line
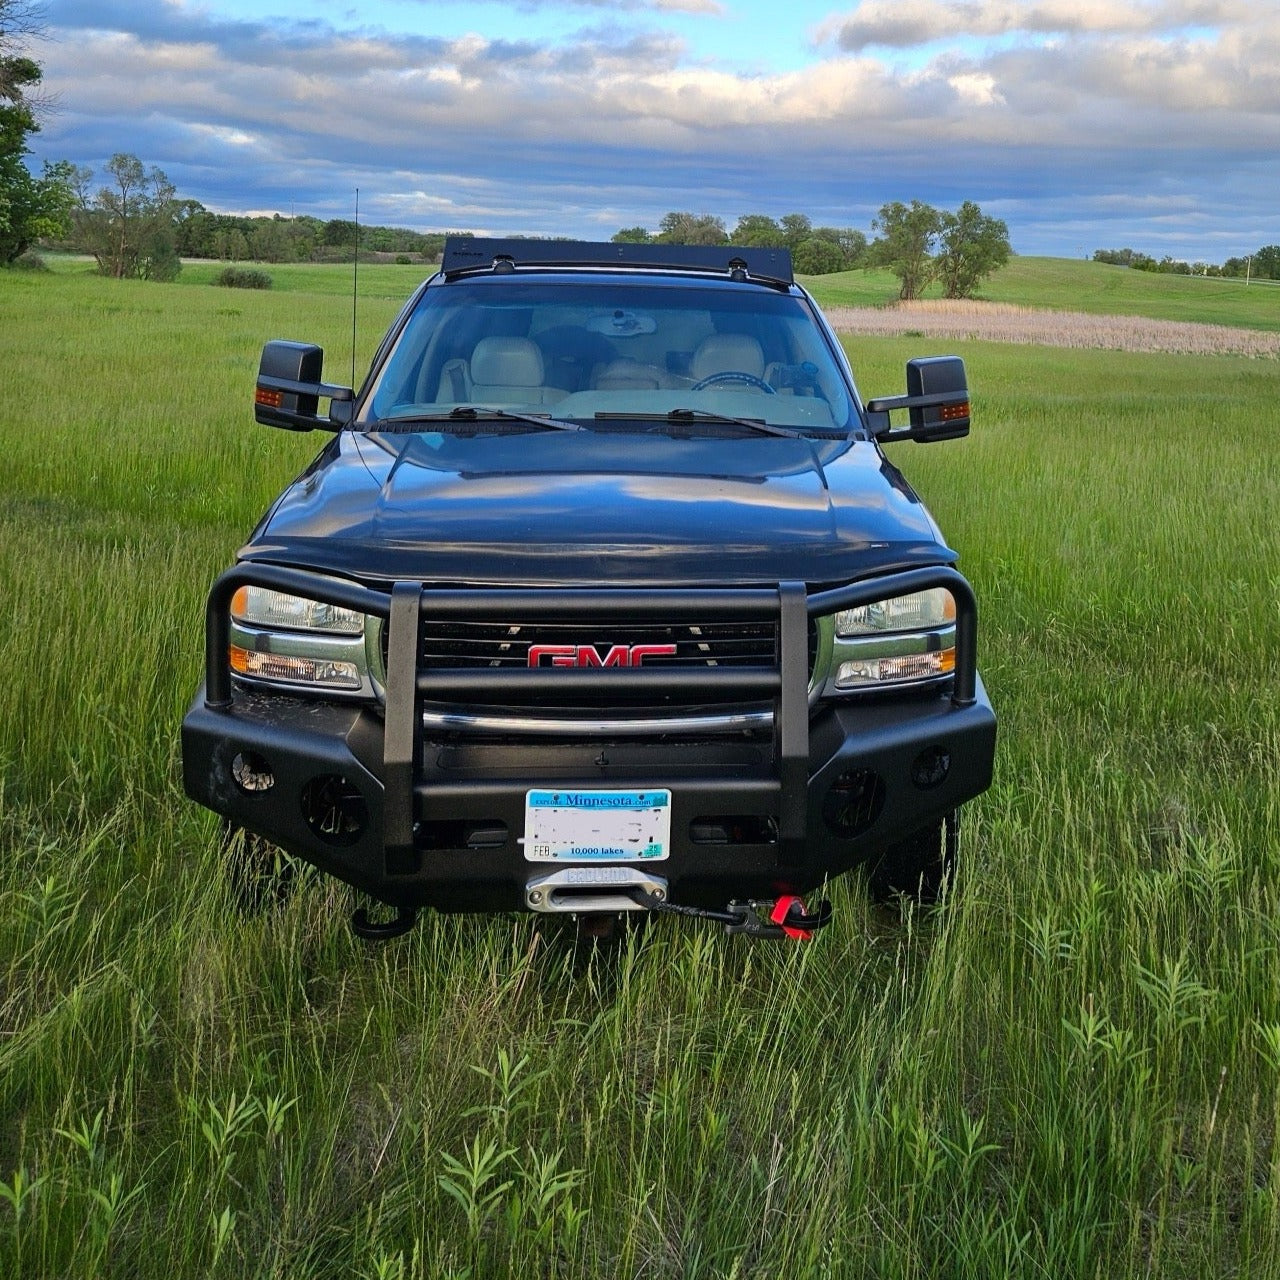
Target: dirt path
1000 322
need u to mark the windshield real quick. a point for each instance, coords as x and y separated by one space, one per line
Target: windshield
599 352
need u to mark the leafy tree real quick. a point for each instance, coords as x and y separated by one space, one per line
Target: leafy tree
20 21
230 243
691 228
131 225
1266 263
853 244
817 256
194 227
972 246
757 230
905 244
30 207
339 232
270 241
632 235
796 229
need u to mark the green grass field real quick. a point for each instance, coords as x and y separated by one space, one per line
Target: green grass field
1070 1069
1062 284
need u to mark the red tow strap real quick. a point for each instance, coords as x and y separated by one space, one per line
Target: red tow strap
787 905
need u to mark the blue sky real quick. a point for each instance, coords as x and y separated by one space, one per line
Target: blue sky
1083 123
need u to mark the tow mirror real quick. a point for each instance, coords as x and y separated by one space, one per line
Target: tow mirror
937 399
289 389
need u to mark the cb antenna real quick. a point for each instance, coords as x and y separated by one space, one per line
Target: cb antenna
355 279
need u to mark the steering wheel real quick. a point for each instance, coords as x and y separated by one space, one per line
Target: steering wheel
734 375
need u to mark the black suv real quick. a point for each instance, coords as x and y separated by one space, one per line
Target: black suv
602 597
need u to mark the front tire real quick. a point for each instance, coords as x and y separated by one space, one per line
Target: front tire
919 866
259 874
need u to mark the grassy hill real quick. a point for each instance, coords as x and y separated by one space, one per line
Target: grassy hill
1058 284
1064 284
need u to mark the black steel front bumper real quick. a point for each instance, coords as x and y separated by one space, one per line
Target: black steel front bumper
418 819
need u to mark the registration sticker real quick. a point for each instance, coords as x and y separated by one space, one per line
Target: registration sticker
597 826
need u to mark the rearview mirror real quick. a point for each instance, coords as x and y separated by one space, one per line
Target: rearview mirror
289 388
937 399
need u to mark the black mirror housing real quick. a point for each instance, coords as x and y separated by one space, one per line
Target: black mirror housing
931 377
289 387
937 399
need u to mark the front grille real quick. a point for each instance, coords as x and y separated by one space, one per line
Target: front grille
457 644
537 670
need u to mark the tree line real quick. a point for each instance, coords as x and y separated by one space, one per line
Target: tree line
918 243
1261 265
135 225
814 250
132 222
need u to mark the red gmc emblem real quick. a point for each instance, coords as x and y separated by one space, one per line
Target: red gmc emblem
587 655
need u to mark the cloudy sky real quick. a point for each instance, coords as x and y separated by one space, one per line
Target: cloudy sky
1083 123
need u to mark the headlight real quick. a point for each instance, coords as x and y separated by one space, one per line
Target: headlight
904 640
261 607
292 640
900 613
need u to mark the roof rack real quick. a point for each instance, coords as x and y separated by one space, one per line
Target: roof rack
464 254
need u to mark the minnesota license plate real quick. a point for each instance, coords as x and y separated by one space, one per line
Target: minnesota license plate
597 826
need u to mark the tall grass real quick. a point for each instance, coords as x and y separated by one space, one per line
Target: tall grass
1071 1068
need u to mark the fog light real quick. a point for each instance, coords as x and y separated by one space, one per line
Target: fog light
930 768
252 773
334 809
853 802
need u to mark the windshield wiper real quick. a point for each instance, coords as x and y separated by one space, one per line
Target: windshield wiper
469 413
703 415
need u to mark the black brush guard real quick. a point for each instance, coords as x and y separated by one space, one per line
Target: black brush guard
788 605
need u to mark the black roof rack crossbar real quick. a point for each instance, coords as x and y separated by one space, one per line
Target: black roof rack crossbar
464 254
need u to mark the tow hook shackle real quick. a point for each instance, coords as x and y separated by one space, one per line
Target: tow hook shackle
784 917
787 918
382 930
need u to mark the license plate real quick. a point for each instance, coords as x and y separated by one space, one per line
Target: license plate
597 826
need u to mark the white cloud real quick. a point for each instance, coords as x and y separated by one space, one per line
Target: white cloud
977 87
521 135
910 23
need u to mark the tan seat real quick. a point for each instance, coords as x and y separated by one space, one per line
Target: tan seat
727 353
500 371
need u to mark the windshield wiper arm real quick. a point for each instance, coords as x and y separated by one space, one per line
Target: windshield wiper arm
704 415
469 413
701 415
755 424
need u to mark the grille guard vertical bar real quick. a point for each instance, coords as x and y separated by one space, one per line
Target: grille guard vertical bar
791 721
400 736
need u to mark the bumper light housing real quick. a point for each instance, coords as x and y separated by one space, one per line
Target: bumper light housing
859 672
295 669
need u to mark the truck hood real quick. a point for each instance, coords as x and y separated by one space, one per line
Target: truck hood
588 508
